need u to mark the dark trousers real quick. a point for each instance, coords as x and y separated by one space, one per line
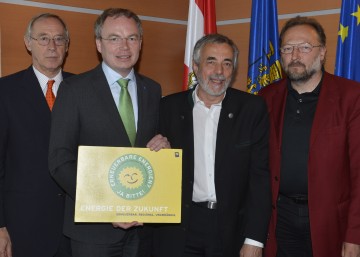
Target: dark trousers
126 247
293 229
203 233
30 248
146 241
64 248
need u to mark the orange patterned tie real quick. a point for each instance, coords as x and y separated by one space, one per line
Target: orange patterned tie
50 97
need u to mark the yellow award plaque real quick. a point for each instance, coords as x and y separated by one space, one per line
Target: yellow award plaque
119 184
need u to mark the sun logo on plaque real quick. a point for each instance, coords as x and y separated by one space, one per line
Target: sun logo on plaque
131 176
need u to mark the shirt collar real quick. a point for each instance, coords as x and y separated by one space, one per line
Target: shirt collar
112 76
315 92
197 100
44 79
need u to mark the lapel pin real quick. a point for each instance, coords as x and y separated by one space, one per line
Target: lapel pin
230 115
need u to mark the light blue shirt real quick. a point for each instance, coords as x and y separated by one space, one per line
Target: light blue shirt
112 77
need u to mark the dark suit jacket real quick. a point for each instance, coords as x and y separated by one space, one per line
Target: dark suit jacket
333 165
241 170
85 114
31 203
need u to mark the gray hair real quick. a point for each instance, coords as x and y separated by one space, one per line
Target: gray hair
214 39
45 16
307 21
116 12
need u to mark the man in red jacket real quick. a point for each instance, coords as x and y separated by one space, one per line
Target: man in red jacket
314 151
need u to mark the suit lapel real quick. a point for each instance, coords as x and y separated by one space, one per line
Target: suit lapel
142 102
326 107
33 94
277 109
66 75
228 115
187 124
103 92
186 115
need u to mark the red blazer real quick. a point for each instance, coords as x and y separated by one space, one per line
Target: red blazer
333 165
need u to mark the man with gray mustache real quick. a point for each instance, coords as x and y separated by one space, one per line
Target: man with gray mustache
224 136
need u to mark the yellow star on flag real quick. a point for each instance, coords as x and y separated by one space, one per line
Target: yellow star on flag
343 32
357 14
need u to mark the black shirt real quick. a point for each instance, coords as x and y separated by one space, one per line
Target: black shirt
299 115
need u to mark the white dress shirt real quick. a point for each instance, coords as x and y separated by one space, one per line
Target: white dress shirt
205 130
43 80
206 121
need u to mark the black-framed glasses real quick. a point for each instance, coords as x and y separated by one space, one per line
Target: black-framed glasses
115 40
303 48
45 40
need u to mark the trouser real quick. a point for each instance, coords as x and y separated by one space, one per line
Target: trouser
293 228
64 248
203 233
126 247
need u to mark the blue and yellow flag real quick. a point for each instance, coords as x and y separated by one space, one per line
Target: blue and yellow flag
348 45
264 65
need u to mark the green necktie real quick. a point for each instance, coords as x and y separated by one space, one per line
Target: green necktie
126 110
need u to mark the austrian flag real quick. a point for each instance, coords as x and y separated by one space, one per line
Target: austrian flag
201 21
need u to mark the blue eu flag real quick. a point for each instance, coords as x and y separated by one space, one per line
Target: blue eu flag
264 66
348 45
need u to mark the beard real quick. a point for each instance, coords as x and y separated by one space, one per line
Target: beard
204 84
304 75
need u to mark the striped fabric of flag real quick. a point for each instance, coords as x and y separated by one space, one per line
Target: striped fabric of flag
201 21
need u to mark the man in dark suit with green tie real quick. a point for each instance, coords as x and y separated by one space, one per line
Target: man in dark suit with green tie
90 111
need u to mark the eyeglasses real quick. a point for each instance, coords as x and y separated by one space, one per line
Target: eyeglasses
45 40
114 40
303 48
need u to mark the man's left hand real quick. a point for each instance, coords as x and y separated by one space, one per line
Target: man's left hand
250 251
158 142
350 250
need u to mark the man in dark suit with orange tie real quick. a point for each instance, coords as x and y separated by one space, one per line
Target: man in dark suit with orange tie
31 203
